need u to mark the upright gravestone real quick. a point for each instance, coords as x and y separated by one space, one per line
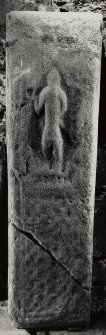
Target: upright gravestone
53 84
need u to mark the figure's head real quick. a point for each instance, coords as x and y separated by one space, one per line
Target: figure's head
53 77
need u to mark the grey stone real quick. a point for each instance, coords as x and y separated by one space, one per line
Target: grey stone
51 211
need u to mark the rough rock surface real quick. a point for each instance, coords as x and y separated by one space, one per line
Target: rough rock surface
51 215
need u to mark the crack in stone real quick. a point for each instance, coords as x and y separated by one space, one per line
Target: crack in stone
51 255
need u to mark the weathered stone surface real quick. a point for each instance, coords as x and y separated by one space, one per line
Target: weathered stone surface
50 213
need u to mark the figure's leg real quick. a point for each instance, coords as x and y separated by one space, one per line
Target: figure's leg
47 149
53 150
58 152
44 144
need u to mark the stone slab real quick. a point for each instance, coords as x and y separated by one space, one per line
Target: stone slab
53 85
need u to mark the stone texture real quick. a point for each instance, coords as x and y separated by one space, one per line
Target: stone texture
51 215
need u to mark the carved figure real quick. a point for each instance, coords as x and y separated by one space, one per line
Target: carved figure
55 101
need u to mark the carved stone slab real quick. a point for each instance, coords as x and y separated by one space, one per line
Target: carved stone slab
53 84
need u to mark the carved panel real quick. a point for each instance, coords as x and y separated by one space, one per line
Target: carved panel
53 83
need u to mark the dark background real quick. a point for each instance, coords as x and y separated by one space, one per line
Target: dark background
98 301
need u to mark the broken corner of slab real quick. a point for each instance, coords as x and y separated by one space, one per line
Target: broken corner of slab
51 203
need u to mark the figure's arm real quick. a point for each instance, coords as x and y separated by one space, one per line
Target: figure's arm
39 100
63 106
36 104
42 97
63 100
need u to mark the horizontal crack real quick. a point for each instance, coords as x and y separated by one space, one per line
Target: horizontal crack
51 255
